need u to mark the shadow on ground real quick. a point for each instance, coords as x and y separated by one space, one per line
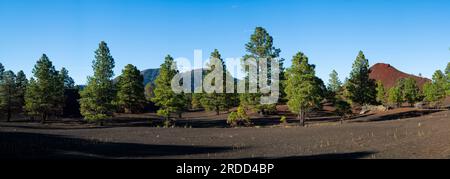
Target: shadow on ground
403 115
353 155
16 145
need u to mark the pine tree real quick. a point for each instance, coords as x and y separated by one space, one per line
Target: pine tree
410 91
2 70
360 87
21 83
334 84
216 101
8 97
447 72
440 80
302 88
168 101
96 99
434 92
395 96
130 91
261 47
343 109
68 81
32 99
68 86
45 94
381 93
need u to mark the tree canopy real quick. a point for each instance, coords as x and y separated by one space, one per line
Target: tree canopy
302 87
130 92
360 87
168 101
96 103
45 93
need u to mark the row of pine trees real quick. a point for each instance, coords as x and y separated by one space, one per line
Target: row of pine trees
44 94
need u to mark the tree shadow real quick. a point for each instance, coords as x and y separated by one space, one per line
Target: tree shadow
397 116
18 145
195 123
352 155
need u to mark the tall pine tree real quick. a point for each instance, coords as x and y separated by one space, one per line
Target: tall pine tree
45 94
216 101
168 101
130 90
8 94
2 70
21 83
302 88
261 47
360 87
334 84
96 99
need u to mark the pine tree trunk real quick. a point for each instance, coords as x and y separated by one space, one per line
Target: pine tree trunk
217 111
301 117
44 117
9 108
9 115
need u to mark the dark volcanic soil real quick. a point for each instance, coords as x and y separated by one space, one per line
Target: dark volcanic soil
424 135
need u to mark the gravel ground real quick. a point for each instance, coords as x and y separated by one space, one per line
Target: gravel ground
372 137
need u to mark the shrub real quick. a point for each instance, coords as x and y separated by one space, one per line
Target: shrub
283 119
238 118
343 109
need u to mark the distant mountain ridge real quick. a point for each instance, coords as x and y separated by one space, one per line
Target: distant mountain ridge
150 75
389 75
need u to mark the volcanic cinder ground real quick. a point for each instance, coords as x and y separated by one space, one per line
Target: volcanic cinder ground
403 133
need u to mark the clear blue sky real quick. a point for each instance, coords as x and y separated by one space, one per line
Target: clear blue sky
412 35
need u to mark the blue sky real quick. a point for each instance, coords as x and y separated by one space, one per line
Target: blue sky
412 35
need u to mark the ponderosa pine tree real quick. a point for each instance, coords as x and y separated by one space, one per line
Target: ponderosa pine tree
447 72
97 97
68 81
441 82
130 90
45 94
434 92
410 91
381 93
69 87
360 87
395 96
334 84
32 99
2 70
302 88
8 97
260 47
168 101
21 83
216 101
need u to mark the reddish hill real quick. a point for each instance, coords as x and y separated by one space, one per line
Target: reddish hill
389 75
